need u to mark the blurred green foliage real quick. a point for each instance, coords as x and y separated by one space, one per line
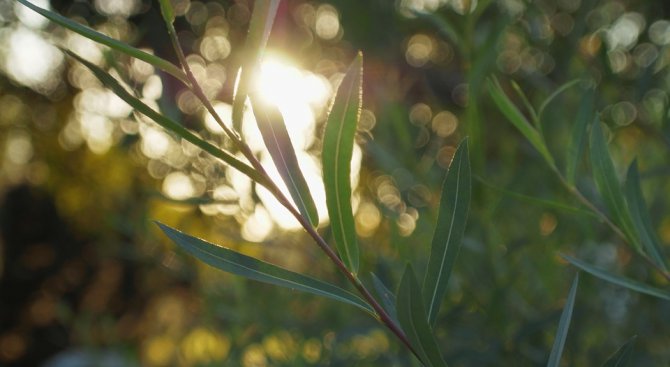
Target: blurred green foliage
426 64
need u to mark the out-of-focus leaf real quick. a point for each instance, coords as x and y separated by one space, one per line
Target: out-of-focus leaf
271 125
338 145
640 215
608 184
168 123
526 102
536 201
555 94
167 10
519 120
387 297
585 114
623 355
619 280
444 28
412 317
117 45
563 326
260 25
249 267
451 222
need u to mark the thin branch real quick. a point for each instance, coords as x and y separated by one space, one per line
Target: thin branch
382 315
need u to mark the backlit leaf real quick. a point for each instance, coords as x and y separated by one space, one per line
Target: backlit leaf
236 263
117 45
168 123
451 222
338 145
271 125
260 25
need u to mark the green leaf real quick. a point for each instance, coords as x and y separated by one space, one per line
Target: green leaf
563 326
585 114
338 145
640 215
622 357
533 114
249 267
167 11
387 297
451 222
608 184
412 317
156 61
168 123
444 28
619 280
536 201
260 25
271 125
519 120
555 94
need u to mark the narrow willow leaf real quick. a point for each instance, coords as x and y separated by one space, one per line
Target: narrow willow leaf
338 145
585 114
619 280
168 123
444 28
167 11
533 114
608 183
536 201
563 326
117 45
622 357
260 25
271 125
451 221
519 120
640 215
412 317
236 263
387 297
555 94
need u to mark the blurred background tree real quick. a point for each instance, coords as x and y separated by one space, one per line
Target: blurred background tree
85 273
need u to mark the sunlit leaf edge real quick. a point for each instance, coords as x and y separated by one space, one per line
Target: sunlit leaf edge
117 45
236 263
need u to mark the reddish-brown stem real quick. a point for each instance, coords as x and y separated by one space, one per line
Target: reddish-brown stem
382 315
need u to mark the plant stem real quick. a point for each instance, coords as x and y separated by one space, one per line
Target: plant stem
576 193
353 279
381 314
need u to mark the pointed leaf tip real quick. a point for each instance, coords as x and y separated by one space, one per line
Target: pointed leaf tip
449 230
608 184
338 145
236 263
273 130
563 326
